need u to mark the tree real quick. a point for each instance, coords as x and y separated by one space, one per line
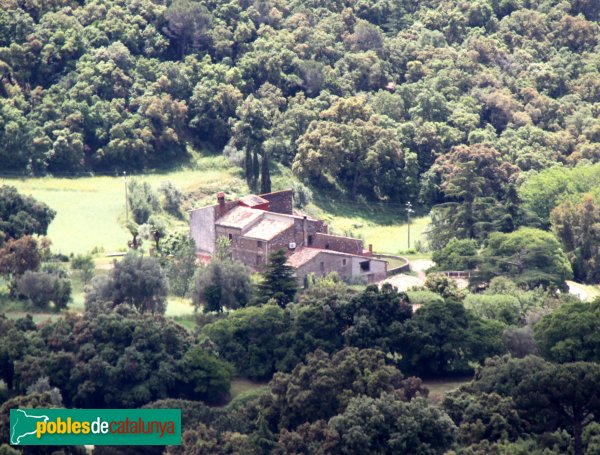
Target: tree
248 166
359 149
578 228
324 385
188 24
279 281
14 345
255 169
179 261
475 182
85 264
142 200
374 317
457 255
497 307
249 338
136 359
480 417
530 257
172 198
547 396
386 425
443 337
135 280
19 256
569 334
265 177
22 215
222 284
204 376
41 288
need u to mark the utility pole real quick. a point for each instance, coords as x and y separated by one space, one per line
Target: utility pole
126 203
409 210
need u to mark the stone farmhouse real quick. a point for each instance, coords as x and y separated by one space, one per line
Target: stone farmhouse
259 225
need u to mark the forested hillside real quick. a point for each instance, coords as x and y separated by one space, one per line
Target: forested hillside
360 96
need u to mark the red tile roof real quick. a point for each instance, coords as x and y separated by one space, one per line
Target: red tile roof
253 200
304 255
267 228
239 217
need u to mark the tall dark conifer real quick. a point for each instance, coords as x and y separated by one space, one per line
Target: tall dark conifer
265 177
255 170
279 281
248 166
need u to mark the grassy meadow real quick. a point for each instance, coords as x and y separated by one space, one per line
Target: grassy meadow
91 210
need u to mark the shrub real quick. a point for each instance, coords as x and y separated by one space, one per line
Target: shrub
85 264
41 288
142 201
172 198
499 307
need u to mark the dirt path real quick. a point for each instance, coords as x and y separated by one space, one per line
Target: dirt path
578 290
404 282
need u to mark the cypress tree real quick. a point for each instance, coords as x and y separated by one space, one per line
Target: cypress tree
265 178
248 166
255 170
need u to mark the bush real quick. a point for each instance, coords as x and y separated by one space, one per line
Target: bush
423 297
499 307
85 264
172 198
302 195
222 284
457 255
142 201
41 288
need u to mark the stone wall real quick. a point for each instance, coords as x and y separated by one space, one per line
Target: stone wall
325 263
338 243
202 228
280 201
346 266
377 269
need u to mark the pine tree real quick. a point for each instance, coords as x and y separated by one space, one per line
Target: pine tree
279 281
265 178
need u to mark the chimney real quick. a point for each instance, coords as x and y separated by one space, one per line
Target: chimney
305 231
221 201
370 248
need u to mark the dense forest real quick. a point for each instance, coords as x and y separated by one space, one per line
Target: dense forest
484 114
112 84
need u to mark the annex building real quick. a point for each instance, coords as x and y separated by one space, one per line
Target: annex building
259 225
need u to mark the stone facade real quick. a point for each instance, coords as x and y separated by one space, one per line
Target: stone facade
347 266
338 243
202 228
260 225
280 201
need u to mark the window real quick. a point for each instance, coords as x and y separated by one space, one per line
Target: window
230 236
259 244
327 246
258 259
365 266
322 266
310 240
344 262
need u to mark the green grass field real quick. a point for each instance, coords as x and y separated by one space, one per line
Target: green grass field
384 228
91 210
